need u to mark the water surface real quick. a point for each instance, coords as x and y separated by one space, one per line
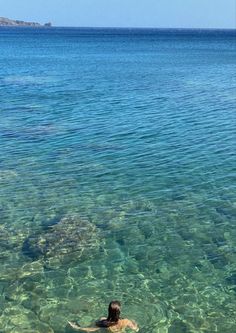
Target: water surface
123 140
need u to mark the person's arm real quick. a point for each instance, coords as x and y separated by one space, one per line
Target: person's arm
133 325
85 329
89 329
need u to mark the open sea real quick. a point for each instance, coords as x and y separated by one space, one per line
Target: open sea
117 178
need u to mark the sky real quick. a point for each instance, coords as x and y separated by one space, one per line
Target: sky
124 13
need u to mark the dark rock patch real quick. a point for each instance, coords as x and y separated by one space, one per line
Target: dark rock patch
178 326
231 279
71 239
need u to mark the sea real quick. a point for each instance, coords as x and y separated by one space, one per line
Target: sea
117 178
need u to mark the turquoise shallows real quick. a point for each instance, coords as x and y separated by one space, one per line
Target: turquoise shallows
117 178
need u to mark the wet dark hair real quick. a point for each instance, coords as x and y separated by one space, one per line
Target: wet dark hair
113 314
114 311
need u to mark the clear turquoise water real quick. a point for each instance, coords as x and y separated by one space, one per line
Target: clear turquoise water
117 155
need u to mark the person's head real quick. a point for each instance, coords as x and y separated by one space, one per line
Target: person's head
114 312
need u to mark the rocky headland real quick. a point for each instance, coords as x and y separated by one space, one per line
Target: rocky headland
17 23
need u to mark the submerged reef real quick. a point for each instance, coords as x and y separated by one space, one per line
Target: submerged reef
70 239
7 175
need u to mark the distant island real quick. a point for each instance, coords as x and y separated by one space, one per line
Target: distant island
5 22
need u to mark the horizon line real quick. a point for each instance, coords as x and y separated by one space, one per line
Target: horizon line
117 27
130 27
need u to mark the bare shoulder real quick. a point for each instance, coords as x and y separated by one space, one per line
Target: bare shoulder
124 322
129 324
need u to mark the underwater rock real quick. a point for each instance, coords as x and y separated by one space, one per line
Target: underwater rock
231 280
17 319
178 326
6 175
10 243
19 273
34 133
4 238
68 240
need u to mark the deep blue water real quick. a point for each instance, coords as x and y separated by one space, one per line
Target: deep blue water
117 178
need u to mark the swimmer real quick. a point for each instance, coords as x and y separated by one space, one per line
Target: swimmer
113 322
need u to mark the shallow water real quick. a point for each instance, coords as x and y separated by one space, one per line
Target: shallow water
117 178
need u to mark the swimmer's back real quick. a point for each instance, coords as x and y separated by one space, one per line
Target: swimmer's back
112 323
119 326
